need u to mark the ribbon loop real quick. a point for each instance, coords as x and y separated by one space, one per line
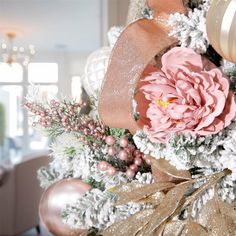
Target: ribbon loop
138 44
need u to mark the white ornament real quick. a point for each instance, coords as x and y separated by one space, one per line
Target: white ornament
97 63
113 34
95 70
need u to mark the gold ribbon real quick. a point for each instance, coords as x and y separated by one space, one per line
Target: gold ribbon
138 44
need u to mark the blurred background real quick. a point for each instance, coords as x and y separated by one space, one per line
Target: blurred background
45 42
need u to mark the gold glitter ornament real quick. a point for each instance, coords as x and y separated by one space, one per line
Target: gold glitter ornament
221 28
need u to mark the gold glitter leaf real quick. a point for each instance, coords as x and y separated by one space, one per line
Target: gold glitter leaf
173 228
165 167
131 225
184 228
143 192
228 209
154 199
218 217
194 229
159 231
126 187
174 199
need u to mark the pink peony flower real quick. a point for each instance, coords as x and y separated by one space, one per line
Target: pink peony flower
188 95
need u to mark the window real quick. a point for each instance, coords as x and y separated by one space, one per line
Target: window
16 133
76 87
11 73
43 72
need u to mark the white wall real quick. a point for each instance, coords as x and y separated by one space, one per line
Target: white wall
70 64
114 13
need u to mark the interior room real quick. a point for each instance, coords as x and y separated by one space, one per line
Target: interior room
117 117
43 43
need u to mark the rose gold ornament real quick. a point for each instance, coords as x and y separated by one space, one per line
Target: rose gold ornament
55 199
221 28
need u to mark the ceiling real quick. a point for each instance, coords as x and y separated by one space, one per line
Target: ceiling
70 25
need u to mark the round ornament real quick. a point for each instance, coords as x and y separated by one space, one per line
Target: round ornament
221 28
55 199
95 70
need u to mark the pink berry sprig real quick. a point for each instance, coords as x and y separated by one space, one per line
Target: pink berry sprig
63 113
105 166
66 116
92 132
121 149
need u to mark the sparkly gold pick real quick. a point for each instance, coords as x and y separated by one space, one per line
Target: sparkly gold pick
164 166
142 192
135 223
159 231
173 228
167 208
228 209
154 199
211 181
163 171
194 229
218 217
126 187
131 225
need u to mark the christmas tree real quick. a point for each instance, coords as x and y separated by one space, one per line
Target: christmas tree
156 154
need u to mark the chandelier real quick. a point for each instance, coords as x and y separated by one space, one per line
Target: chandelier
14 54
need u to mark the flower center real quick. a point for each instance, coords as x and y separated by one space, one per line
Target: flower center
163 103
